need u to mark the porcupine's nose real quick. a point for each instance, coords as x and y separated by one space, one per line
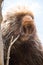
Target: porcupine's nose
26 24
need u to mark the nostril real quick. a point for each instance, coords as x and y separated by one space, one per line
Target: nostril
29 26
24 29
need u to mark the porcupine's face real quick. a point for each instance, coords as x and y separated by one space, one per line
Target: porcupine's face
22 24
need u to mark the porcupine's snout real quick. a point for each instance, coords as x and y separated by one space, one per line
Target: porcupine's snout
27 27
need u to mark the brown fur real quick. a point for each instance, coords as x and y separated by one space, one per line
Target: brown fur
27 50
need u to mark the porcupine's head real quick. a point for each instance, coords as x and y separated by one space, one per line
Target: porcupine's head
18 23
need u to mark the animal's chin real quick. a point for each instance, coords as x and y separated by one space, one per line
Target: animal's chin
24 38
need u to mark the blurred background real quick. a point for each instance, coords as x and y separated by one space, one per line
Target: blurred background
36 6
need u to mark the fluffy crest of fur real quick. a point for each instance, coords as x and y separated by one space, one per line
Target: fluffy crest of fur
17 10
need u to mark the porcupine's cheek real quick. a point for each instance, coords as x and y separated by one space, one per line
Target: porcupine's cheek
5 26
